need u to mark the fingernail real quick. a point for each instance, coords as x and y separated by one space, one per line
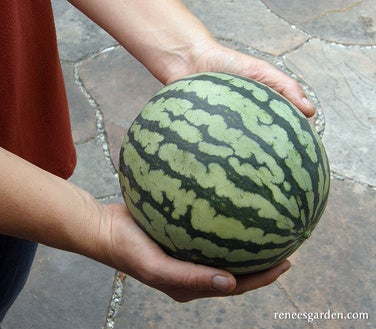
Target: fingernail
306 101
220 283
309 112
285 267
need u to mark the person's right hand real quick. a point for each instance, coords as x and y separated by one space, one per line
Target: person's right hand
130 250
213 57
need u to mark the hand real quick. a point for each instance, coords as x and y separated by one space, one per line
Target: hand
131 251
216 58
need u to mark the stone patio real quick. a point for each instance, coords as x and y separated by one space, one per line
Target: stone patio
330 47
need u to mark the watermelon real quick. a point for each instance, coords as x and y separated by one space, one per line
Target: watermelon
221 170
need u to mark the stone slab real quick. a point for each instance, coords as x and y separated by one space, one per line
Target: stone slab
93 172
78 37
344 80
121 87
83 119
146 308
334 269
300 12
248 22
356 25
64 291
343 21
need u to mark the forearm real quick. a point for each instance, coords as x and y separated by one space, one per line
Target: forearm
157 33
39 206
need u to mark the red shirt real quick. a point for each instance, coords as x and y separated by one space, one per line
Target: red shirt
34 116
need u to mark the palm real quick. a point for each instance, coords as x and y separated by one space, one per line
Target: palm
134 253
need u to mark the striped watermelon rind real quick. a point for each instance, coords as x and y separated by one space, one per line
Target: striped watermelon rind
222 170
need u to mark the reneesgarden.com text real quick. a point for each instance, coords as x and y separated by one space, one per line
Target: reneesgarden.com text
328 315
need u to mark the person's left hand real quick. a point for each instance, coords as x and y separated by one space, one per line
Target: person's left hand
128 249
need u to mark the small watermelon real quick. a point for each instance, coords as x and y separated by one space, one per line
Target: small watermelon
221 170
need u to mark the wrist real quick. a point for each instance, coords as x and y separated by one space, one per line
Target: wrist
189 61
95 242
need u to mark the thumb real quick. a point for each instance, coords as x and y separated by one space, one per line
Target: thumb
294 93
184 281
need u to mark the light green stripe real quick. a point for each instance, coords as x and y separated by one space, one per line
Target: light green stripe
257 92
235 255
322 189
159 110
158 224
304 137
150 141
131 193
154 111
159 184
293 161
153 227
272 180
205 219
182 240
215 150
186 131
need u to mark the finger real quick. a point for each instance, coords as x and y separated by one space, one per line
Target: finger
186 275
282 83
260 279
294 93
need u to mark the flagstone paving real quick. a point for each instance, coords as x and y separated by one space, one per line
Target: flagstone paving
330 47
